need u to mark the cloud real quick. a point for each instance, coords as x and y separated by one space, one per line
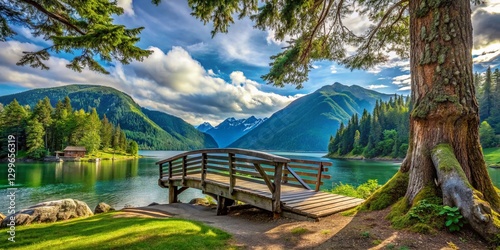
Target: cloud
333 69
127 6
172 82
403 82
381 86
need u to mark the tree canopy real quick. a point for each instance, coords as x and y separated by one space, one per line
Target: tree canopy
83 28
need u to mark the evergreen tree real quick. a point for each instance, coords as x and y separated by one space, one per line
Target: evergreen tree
487 97
494 119
77 127
106 133
116 138
364 128
91 139
43 114
81 28
14 118
35 139
133 148
67 105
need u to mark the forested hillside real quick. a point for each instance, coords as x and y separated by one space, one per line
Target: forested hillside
120 109
305 124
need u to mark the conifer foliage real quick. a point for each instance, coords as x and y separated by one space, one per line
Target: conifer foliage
82 28
44 129
383 134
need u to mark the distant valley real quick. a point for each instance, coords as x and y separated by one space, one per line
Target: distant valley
230 129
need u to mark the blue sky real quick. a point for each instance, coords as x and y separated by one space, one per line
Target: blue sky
200 78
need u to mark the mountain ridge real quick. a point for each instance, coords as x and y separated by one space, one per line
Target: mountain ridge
316 116
120 108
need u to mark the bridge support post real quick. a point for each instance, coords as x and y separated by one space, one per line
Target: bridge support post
172 194
222 204
278 171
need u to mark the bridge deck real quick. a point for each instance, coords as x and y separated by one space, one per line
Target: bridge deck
294 199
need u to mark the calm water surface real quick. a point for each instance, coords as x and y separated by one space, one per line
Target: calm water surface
134 182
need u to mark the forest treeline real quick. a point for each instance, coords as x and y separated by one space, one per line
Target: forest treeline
384 133
43 129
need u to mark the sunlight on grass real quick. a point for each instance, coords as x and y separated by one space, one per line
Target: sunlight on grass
105 232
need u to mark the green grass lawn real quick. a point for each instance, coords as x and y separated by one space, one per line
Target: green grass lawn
105 232
492 156
109 154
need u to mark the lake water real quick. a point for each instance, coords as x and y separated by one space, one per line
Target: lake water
134 182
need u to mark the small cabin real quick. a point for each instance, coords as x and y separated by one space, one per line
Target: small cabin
74 151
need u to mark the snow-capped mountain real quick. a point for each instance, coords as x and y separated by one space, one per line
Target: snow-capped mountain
204 127
231 129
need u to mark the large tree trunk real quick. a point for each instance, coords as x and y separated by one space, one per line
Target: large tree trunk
445 108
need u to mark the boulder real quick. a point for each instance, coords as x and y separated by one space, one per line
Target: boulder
153 204
103 208
2 216
200 201
50 211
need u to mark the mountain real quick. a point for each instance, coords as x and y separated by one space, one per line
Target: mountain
231 129
307 123
204 127
150 129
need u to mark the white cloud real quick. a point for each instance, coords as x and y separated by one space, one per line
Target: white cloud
333 69
172 82
381 86
405 88
127 6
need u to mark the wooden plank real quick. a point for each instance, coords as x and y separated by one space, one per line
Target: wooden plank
262 155
318 180
299 198
338 209
322 204
263 175
325 163
232 180
219 168
170 169
191 159
302 182
314 198
203 170
218 157
295 166
332 207
294 194
253 160
214 162
277 189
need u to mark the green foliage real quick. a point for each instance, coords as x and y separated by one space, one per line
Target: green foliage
166 132
299 230
34 140
423 217
133 148
487 135
383 134
82 28
363 191
454 220
388 194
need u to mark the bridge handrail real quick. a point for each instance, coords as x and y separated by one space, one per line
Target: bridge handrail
253 153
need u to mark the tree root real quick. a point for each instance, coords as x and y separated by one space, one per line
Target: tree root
457 191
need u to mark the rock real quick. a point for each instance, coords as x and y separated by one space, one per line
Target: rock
153 204
200 201
103 208
50 211
2 216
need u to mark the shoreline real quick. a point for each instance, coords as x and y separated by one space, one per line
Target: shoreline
362 158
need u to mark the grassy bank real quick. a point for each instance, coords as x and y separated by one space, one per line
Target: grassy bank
103 231
109 154
492 156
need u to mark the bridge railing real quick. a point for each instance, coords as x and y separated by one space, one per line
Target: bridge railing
248 165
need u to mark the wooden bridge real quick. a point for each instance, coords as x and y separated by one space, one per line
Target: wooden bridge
284 186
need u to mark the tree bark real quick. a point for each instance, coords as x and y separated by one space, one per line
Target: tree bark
445 109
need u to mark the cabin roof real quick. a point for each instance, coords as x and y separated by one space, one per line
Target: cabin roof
75 148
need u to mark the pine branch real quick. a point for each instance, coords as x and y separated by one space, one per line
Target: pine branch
54 16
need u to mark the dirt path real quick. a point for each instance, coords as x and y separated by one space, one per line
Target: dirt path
255 229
